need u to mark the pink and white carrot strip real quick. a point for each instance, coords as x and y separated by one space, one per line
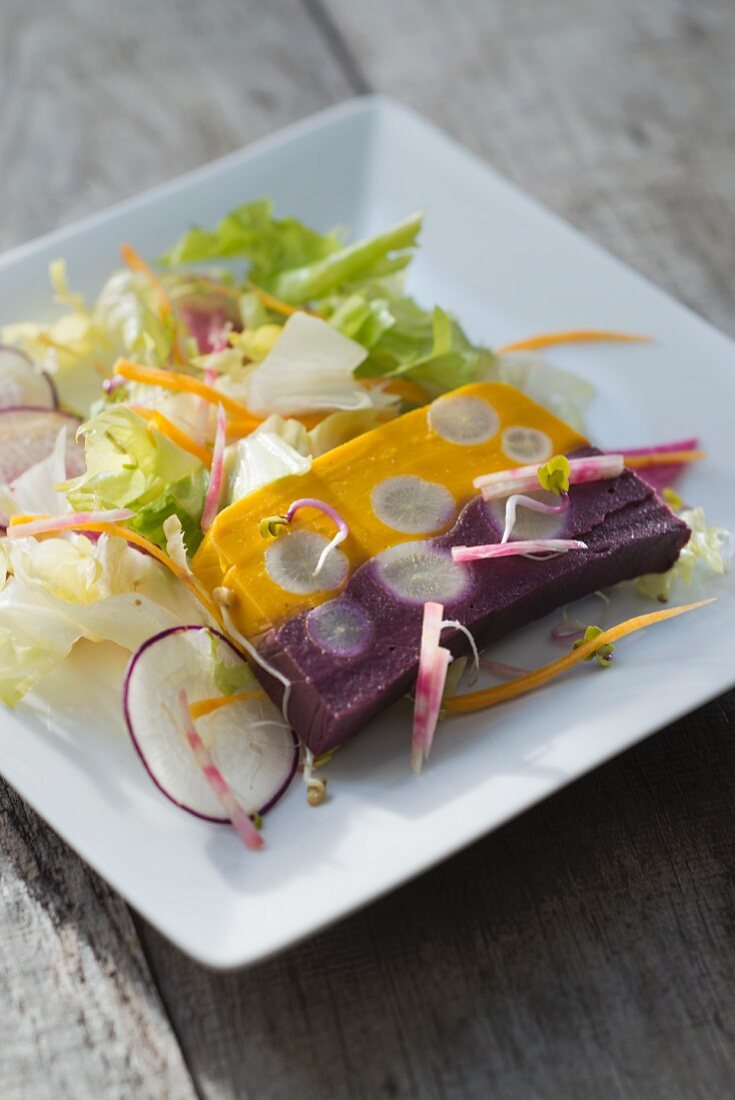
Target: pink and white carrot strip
432 675
518 500
321 506
218 783
49 524
216 472
525 478
522 548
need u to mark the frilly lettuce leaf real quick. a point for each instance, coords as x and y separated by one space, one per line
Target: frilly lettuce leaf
261 458
709 548
132 465
250 232
62 590
310 368
428 347
564 394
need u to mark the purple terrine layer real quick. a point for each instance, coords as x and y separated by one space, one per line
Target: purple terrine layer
629 532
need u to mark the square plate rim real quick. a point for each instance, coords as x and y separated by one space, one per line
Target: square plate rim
374 103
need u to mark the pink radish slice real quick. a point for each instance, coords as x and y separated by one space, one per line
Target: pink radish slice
248 741
22 384
28 435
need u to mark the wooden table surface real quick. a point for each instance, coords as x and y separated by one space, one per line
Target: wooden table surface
586 949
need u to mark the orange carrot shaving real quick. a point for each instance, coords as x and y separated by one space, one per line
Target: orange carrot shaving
478 700
135 262
207 706
573 336
176 435
276 305
663 458
173 380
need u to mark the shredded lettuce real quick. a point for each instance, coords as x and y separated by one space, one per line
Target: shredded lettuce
564 394
64 589
310 367
709 548
259 459
132 465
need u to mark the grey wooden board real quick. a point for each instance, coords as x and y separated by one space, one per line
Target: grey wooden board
586 949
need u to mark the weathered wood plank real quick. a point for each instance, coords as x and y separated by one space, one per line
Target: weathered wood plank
100 100
620 116
79 1013
584 950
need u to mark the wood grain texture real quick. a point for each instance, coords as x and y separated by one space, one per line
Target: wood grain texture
79 1013
586 949
102 99
619 116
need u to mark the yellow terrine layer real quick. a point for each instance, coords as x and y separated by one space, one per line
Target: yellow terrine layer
480 428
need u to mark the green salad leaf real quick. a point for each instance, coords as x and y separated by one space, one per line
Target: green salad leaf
132 465
250 232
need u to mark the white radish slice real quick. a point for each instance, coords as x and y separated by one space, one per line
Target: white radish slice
294 556
413 505
21 384
28 435
415 573
464 420
526 444
340 627
248 741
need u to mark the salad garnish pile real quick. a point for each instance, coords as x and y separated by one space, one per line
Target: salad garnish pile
128 424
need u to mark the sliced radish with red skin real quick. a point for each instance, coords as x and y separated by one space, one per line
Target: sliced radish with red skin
21 384
416 572
413 505
248 741
28 435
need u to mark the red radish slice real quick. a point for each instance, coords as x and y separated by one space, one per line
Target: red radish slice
22 384
432 675
248 741
28 435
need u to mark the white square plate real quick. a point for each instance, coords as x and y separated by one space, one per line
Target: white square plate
507 268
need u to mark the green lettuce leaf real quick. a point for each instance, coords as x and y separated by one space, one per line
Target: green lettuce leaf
132 465
428 347
250 232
